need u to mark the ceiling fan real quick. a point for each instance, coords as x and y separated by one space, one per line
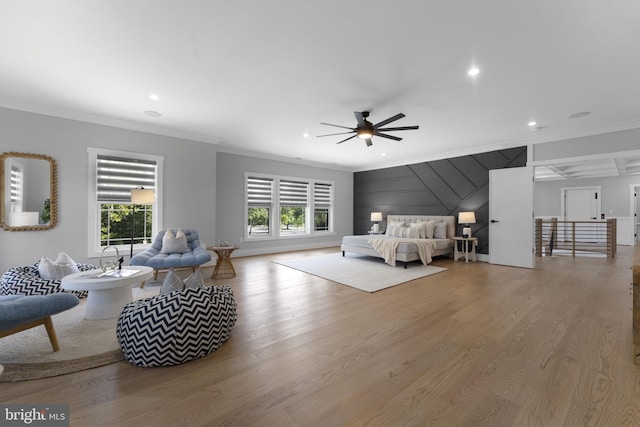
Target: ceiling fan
365 129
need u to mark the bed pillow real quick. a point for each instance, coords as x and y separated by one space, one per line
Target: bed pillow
415 233
174 244
394 230
440 231
396 223
429 227
407 232
420 229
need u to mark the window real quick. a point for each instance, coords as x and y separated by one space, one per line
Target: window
16 185
293 207
303 207
259 203
322 197
113 219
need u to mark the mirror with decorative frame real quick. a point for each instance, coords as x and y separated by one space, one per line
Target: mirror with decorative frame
28 192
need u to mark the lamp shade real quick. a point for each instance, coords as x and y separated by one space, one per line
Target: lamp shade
376 216
466 218
142 196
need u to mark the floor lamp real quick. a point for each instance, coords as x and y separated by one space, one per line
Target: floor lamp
139 196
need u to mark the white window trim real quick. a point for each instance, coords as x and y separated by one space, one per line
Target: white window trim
93 222
274 218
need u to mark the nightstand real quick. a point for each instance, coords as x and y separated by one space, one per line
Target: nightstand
468 248
376 233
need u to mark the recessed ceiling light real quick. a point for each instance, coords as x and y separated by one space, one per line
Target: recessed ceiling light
154 96
384 154
580 114
306 134
531 124
151 113
473 71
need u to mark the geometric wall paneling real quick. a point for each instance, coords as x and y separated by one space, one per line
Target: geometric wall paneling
440 187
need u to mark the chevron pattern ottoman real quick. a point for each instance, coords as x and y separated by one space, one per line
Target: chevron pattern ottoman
27 281
176 327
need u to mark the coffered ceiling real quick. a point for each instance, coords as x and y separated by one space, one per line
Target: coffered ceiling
589 169
259 76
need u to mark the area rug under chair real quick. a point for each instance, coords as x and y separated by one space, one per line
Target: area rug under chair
362 272
84 344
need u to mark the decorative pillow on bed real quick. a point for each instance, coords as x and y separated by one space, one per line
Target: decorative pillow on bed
440 231
408 232
396 223
394 230
420 228
430 227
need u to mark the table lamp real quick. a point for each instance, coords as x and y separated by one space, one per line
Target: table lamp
376 217
466 218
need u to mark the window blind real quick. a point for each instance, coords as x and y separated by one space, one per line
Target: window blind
15 190
321 195
293 193
116 176
259 191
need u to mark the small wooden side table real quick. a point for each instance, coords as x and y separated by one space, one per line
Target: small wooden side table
468 248
224 268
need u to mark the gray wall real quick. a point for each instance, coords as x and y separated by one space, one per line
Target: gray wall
230 198
189 180
615 195
442 187
611 142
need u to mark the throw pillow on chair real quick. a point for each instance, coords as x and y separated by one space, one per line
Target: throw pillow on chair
28 281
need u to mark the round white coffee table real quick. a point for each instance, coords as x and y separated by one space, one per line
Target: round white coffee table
109 292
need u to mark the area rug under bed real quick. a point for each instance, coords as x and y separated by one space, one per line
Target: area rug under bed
362 272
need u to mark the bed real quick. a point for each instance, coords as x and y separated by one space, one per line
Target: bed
407 249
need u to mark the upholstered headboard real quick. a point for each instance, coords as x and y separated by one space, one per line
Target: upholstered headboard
450 220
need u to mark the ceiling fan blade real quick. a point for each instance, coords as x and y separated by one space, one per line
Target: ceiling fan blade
338 126
368 141
346 139
359 118
384 135
332 134
400 128
389 120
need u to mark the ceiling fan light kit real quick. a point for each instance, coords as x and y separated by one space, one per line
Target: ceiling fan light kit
366 130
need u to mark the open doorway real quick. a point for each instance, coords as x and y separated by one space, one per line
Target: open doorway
580 204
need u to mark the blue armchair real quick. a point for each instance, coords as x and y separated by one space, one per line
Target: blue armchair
20 312
154 257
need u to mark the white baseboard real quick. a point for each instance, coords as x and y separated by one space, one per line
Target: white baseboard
289 248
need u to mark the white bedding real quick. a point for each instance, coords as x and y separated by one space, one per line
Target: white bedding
387 248
406 249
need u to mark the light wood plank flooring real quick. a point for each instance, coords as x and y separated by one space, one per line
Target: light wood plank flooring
477 345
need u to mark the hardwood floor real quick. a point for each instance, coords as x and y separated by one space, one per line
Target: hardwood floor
476 345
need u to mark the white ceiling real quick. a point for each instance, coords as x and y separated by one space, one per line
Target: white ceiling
254 76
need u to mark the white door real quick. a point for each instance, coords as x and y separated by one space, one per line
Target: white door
582 204
511 217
